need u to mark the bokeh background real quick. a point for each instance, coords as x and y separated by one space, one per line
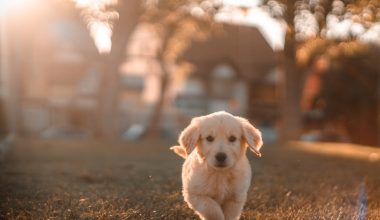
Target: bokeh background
132 69
114 73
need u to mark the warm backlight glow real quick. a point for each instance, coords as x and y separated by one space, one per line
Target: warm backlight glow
272 29
99 21
101 33
6 5
346 150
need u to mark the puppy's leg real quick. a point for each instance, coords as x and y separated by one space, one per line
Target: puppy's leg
205 207
232 209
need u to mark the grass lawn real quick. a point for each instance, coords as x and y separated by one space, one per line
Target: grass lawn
67 179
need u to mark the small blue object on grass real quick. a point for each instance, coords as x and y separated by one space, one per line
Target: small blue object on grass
362 201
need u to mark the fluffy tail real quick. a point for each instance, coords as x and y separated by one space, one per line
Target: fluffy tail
180 151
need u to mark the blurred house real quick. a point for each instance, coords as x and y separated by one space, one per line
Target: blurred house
140 81
53 83
58 78
235 70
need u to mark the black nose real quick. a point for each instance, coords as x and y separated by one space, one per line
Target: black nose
220 157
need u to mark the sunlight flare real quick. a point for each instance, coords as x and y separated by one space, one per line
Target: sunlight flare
344 150
273 30
99 21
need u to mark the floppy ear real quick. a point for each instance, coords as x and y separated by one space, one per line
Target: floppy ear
189 136
252 136
180 151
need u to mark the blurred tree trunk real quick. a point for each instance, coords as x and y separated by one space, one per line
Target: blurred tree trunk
378 106
8 107
130 12
291 84
177 29
155 119
154 124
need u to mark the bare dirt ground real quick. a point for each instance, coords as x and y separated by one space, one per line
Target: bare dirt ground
62 179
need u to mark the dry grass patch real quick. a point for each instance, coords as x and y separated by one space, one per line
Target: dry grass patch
61 179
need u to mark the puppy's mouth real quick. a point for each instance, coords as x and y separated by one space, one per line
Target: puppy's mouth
220 165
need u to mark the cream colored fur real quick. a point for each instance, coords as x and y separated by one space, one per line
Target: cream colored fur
217 190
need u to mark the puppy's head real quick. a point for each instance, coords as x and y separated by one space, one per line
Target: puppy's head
221 138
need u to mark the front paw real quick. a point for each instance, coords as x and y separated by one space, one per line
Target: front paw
205 207
232 210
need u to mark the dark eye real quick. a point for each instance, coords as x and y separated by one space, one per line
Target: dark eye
232 138
210 138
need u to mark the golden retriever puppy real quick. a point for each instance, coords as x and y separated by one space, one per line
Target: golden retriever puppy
216 173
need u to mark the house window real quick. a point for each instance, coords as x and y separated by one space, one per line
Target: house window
223 81
192 95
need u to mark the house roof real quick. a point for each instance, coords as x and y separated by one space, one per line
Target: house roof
240 46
